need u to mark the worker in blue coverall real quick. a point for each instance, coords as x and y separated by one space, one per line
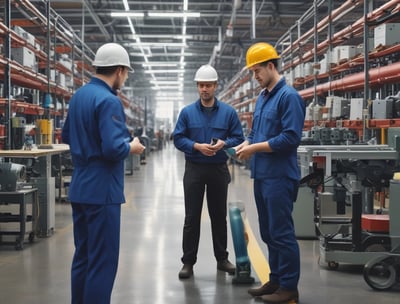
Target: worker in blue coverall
99 143
203 130
278 120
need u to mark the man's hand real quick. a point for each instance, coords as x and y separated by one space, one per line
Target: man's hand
209 149
136 146
244 151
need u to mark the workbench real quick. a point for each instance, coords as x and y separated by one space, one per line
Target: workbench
8 216
45 183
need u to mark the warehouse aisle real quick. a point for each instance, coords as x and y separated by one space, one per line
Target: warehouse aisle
150 255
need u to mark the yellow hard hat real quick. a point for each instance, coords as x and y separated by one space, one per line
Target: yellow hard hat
260 52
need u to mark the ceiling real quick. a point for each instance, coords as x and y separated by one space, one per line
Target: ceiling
167 50
163 43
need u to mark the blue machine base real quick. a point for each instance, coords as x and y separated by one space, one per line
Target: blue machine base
243 266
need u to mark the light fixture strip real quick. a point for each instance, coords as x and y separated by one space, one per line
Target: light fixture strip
159 64
127 14
165 71
121 14
174 14
126 5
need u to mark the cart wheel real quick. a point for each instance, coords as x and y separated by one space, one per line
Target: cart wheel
380 274
31 237
332 265
19 244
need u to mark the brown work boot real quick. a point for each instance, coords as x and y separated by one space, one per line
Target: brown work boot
226 266
186 271
266 289
282 295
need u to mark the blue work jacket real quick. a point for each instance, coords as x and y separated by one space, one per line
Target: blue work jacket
278 119
196 124
96 132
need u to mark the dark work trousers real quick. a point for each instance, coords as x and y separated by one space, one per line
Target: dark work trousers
274 200
95 262
198 179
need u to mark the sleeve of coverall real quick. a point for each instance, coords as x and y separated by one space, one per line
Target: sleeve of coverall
113 131
292 120
181 140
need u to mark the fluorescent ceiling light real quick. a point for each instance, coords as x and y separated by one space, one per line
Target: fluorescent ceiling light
162 82
127 14
174 14
155 54
164 71
156 14
169 98
161 44
126 5
160 63
169 94
166 88
162 36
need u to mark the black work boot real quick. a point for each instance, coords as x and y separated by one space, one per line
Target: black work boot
266 289
186 271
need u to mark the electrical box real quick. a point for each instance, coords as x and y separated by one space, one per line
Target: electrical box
308 69
356 108
343 52
24 56
24 34
340 108
382 109
387 34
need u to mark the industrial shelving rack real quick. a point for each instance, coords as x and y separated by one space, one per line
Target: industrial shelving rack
62 64
372 72
40 53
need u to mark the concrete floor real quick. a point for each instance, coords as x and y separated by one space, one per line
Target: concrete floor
151 233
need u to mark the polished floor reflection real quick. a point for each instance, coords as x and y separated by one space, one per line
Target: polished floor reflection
150 255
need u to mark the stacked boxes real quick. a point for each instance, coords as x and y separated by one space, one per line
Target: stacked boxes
387 34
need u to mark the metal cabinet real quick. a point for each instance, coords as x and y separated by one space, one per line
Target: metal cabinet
15 221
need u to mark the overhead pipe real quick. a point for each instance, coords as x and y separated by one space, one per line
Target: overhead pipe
355 82
307 15
217 47
232 21
229 32
354 30
336 14
253 19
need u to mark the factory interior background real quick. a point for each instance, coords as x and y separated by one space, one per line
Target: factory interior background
343 57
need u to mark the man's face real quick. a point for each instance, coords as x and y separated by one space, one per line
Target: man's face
206 90
263 74
122 76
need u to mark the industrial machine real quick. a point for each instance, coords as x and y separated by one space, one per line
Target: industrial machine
44 132
243 265
383 271
351 185
12 176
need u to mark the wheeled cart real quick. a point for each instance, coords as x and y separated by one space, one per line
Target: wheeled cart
15 221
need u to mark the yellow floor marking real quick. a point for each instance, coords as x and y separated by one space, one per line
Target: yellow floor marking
257 258
129 201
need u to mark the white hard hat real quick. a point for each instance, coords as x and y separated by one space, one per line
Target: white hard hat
206 73
111 54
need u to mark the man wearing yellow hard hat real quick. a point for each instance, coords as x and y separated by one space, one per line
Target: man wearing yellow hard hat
272 144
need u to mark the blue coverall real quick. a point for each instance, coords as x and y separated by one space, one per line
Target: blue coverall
278 119
199 124
99 142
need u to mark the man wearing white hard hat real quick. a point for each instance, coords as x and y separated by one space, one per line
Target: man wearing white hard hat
203 130
99 142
